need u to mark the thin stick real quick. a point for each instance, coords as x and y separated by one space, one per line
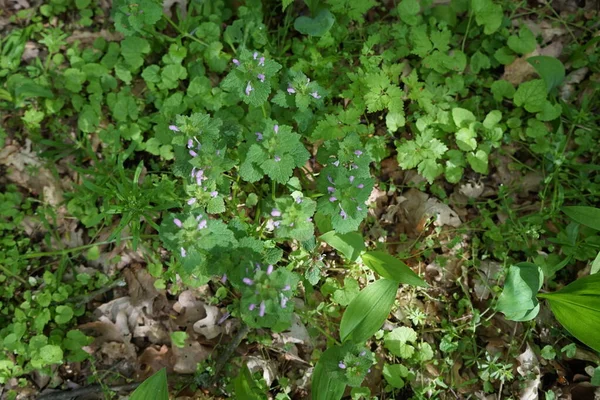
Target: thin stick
71 394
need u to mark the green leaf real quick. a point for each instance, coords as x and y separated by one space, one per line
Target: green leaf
394 373
596 265
550 69
518 299
479 61
523 43
245 386
588 216
596 378
349 244
327 380
178 339
51 354
390 267
502 89
398 341
154 388
465 139
368 311
577 308
317 26
462 116
409 11
478 161
531 95
488 15
63 314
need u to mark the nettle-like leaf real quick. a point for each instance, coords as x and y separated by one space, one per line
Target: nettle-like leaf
251 77
345 183
339 124
266 293
300 91
423 153
401 342
274 152
134 16
487 14
292 217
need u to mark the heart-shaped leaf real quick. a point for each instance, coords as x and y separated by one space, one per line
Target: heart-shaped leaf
317 26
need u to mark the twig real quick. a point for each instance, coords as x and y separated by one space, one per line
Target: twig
71 394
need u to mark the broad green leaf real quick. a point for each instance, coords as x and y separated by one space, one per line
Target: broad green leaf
596 264
550 69
368 311
478 161
154 388
488 15
577 308
51 354
327 383
531 95
588 216
523 43
518 299
462 116
502 89
398 341
465 139
409 11
245 387
394 373
317 26
349 244
390 267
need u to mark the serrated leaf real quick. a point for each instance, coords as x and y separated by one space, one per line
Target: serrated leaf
392 268
577 308
531 95
368 311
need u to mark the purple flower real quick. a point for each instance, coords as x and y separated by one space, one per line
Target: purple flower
275 213
329 179
224 278
358 153
200 173
298 200
358 208
190 143
174 128
191 201
360 186
214 194
261 77
354 166
286 287
261 61
248 281
269 269
284 301
236 61
330 189
177 222
342 365
223 318
251 306
343 214
277 158
261 309
332 199
315 95
202 224
193 153
248 89
351 179
199 217
255 55
276 223
276 129
259 136
183 252
291 90
336 163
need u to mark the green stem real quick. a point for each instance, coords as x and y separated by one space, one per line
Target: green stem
76 249
183 33
467 32
8 272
